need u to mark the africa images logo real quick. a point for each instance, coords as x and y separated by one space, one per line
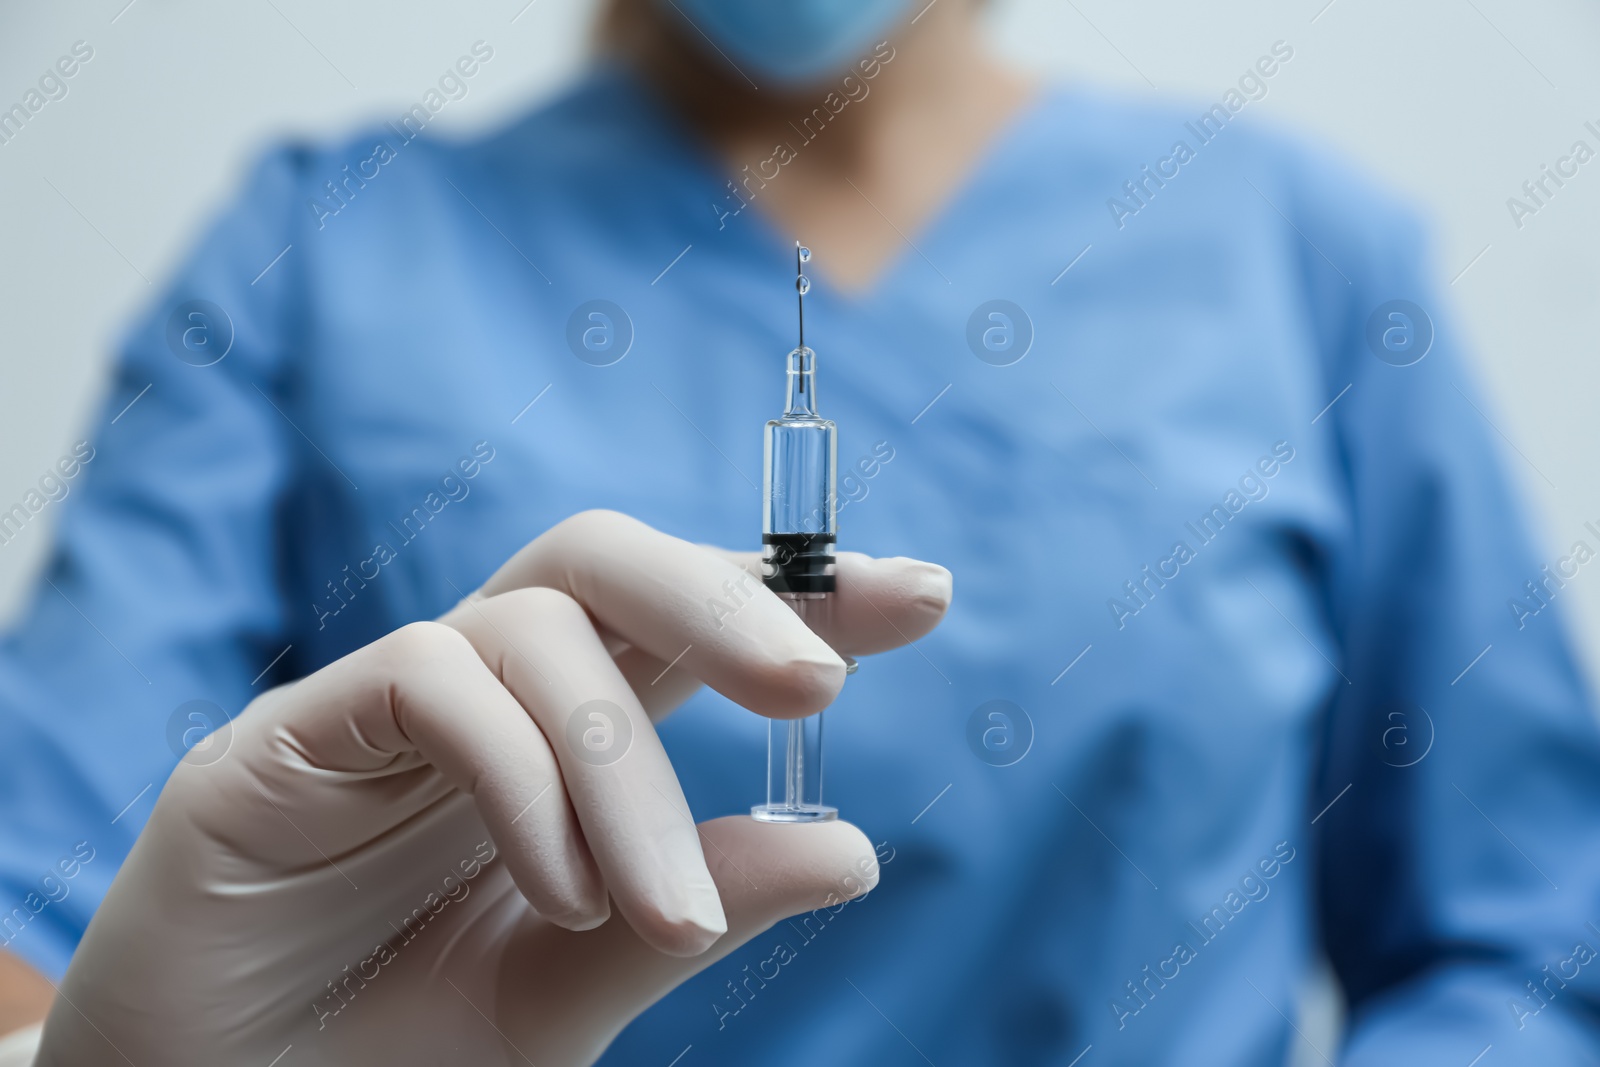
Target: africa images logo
599 733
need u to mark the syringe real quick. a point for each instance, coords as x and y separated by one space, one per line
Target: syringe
798 534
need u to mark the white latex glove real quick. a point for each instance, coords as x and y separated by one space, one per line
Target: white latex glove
17 1048
410 857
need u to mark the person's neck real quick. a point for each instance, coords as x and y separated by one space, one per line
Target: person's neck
880 156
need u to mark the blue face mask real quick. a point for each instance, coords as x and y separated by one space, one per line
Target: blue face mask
791 42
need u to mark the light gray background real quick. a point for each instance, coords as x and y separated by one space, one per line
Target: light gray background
1454 102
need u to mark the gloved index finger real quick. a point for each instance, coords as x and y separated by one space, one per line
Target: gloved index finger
670 599
880 604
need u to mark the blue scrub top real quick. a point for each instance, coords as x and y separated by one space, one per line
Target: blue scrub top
1235 668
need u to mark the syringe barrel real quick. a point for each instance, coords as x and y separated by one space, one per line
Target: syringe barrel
794 746
799 526
798 533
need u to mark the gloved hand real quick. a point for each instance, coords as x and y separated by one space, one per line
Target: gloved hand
412 856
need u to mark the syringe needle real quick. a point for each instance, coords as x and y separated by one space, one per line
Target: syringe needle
801 254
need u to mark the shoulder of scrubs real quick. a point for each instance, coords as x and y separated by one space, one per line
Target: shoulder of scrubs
1461 760
1458 784
159 609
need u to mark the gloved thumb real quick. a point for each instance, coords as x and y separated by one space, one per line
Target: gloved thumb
765 872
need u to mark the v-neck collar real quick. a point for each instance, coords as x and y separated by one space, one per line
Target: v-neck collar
702 165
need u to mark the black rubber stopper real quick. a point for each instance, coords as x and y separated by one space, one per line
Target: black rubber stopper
799 563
